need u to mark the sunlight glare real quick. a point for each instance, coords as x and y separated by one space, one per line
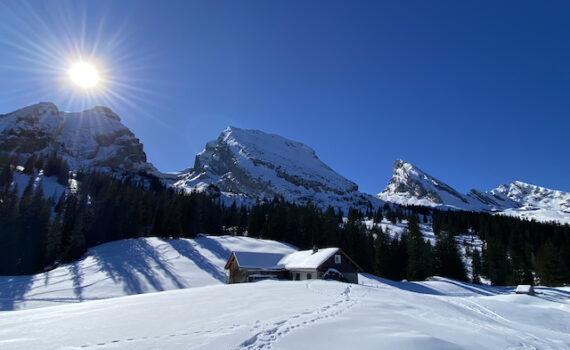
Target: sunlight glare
84 75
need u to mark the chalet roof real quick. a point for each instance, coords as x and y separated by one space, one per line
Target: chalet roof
307 259
304 259
263 261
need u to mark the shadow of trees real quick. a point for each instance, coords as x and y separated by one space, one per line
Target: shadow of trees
186 249
140 262
13 289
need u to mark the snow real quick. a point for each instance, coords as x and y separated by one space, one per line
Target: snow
84 139
186 305
261 166
441 314
131 266
304 259
307 259
411 186
50 187
524 289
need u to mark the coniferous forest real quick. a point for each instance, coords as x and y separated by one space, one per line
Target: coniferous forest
38 232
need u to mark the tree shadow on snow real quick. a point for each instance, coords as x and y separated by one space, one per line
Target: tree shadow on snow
214 246
423 288
138 263
409 286
186 249
13 289
478 289
77 280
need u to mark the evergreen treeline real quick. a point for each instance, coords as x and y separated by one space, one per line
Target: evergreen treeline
36 233
515 251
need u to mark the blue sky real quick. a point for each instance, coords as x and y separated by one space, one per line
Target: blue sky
474 93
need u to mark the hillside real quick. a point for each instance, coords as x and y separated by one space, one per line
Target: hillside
183 302
131 266
439 314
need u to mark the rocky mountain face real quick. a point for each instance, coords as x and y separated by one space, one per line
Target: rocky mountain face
411 186
92 139
258 165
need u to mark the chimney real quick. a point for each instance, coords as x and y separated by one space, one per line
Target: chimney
315 249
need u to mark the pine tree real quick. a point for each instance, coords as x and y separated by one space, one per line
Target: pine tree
448 262
420 261
476 266
53 241
383 253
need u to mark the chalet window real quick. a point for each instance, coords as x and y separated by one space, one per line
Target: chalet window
337 259
309 276
297 277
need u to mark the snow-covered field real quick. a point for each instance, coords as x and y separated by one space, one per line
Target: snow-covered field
131 266
439 314
187 305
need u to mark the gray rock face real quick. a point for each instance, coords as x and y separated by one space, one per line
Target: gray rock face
258 165
94 138
410 185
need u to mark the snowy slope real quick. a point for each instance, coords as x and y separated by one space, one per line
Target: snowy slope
131 266
94 138
258 165
411 186
442 314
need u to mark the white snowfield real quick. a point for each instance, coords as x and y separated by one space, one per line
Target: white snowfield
132 266
377 313
441 314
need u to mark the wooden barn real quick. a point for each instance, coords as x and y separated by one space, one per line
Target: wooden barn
327 263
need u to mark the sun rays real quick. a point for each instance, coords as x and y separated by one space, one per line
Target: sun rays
104 66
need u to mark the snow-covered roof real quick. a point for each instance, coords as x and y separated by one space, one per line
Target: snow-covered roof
524 289
304 259
256 260
307 259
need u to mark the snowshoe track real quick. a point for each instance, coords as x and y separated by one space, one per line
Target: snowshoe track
265 337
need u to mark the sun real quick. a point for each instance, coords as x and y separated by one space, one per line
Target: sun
84 75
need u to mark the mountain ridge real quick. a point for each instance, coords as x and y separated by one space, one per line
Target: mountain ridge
410 185
93 138
262 166
248 165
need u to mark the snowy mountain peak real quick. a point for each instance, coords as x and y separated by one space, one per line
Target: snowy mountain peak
411 186
534 197
94 138
259 165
